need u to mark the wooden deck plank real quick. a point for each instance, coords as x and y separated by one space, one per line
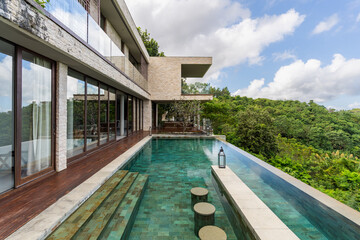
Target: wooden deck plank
22 204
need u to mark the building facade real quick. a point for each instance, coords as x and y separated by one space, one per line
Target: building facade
75 76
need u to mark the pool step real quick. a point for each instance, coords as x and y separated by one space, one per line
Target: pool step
120 225
113 205
72 224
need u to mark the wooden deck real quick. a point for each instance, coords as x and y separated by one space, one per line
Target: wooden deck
22 204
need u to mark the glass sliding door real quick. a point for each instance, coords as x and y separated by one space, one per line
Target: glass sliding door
75 113
126 111
36 114
7 52
112 113
92 114
130 115
104 113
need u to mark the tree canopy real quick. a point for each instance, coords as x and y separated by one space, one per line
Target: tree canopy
151 44
319 146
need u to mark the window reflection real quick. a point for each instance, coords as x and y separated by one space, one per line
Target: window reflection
75 113
92 103
112 98
36 114
104 98
6 116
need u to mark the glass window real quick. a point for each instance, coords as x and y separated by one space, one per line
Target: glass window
92 103
130 114
112 98
6 116
104 100
75 113
36 114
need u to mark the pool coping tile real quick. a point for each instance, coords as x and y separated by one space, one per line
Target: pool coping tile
259 218
323 198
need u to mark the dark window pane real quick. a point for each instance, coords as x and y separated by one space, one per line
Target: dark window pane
112 98
75 113
92 133
104 98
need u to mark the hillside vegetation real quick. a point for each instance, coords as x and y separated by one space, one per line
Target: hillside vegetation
320 147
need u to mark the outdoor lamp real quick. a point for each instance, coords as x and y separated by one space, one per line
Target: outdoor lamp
222 158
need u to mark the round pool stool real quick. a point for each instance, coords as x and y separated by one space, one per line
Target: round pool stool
204 214
198 194
212 233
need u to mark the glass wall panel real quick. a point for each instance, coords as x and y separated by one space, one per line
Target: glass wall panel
6 116
66 11
75 113
36 114
104 115
112 98
92 103
130 114
138 114
98 39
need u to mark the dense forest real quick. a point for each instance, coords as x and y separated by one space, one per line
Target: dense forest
321 147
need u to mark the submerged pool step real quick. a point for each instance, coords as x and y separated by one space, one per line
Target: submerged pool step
71 225
120 224
99 219
109 212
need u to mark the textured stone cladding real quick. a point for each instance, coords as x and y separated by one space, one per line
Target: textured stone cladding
61 117
36 25
165 77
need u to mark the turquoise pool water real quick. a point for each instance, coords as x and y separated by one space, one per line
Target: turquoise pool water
175 166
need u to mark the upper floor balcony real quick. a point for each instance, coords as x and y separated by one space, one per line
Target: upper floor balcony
77 18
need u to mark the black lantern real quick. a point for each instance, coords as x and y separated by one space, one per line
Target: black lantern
222 158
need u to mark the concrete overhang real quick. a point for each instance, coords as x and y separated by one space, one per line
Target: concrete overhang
118 14
194 70
195 67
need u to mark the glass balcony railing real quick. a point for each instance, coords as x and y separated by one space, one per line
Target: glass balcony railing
73 15
194 88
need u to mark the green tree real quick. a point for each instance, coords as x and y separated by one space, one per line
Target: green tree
151 44
42 3
185 111
255 132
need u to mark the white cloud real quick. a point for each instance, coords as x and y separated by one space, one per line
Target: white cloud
222 29
354 105
306 81
358 18
327 24
284 56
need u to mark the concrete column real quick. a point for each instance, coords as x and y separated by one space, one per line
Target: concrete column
147 115
61 117
122 115
157 115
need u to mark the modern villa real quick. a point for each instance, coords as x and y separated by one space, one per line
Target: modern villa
79 96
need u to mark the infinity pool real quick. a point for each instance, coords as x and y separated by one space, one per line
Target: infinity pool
177 165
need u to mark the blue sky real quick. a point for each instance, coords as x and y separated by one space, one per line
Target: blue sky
277 49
